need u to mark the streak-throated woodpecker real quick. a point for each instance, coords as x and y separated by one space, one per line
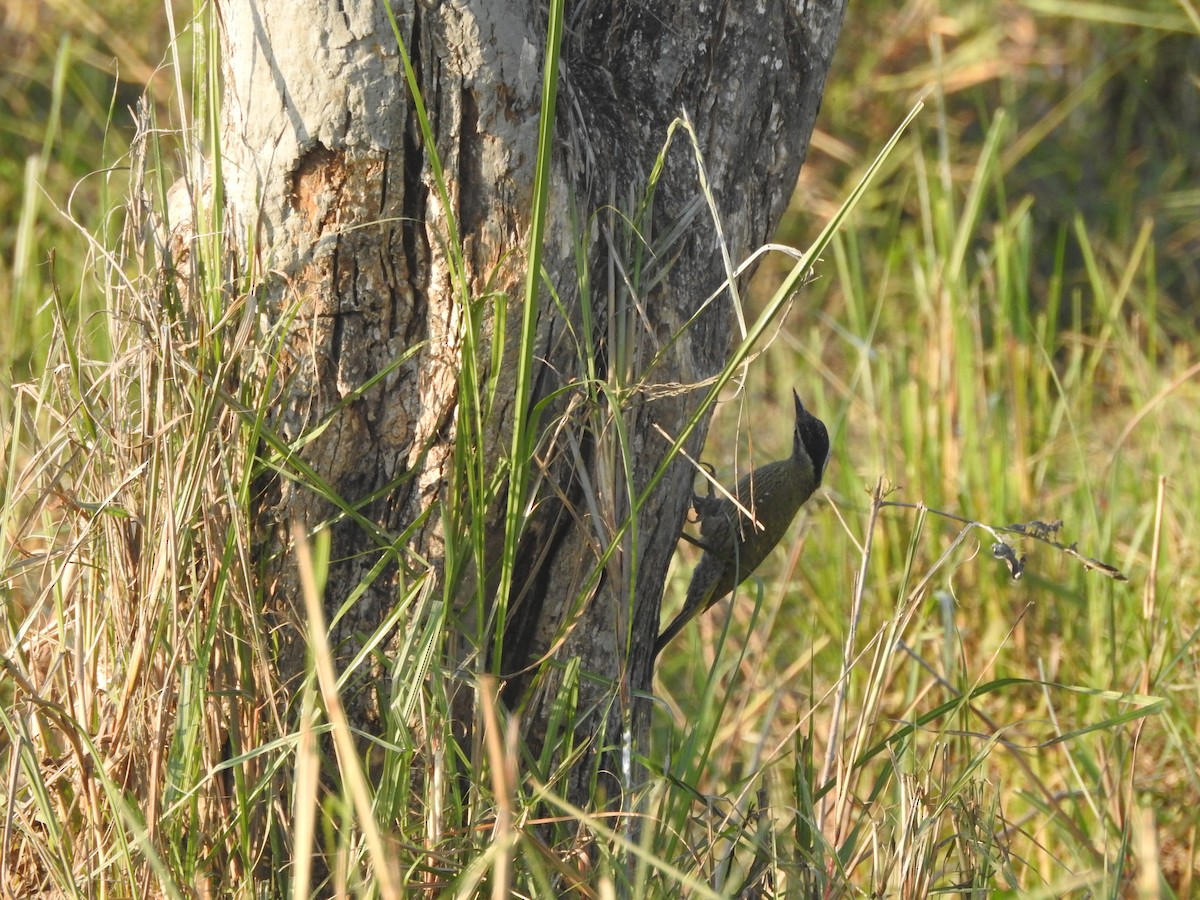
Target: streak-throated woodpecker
734 544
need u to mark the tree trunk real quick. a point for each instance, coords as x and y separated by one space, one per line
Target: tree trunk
331 186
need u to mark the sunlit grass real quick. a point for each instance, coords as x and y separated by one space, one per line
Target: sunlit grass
997 335
981 369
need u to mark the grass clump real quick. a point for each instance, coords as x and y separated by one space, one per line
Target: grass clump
998 338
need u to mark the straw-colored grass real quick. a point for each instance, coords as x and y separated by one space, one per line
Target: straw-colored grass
1000 339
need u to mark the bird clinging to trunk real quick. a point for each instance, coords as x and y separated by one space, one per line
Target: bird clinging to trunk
735 545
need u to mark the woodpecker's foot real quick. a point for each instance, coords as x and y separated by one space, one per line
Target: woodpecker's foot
702 506
708 506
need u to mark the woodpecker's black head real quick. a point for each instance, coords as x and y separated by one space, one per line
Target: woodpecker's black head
811 439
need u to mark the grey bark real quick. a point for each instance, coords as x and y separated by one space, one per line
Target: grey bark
324 166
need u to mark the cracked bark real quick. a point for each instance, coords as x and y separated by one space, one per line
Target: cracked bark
325 166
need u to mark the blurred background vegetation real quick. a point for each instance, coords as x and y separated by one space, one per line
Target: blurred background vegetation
73 74
1004 330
